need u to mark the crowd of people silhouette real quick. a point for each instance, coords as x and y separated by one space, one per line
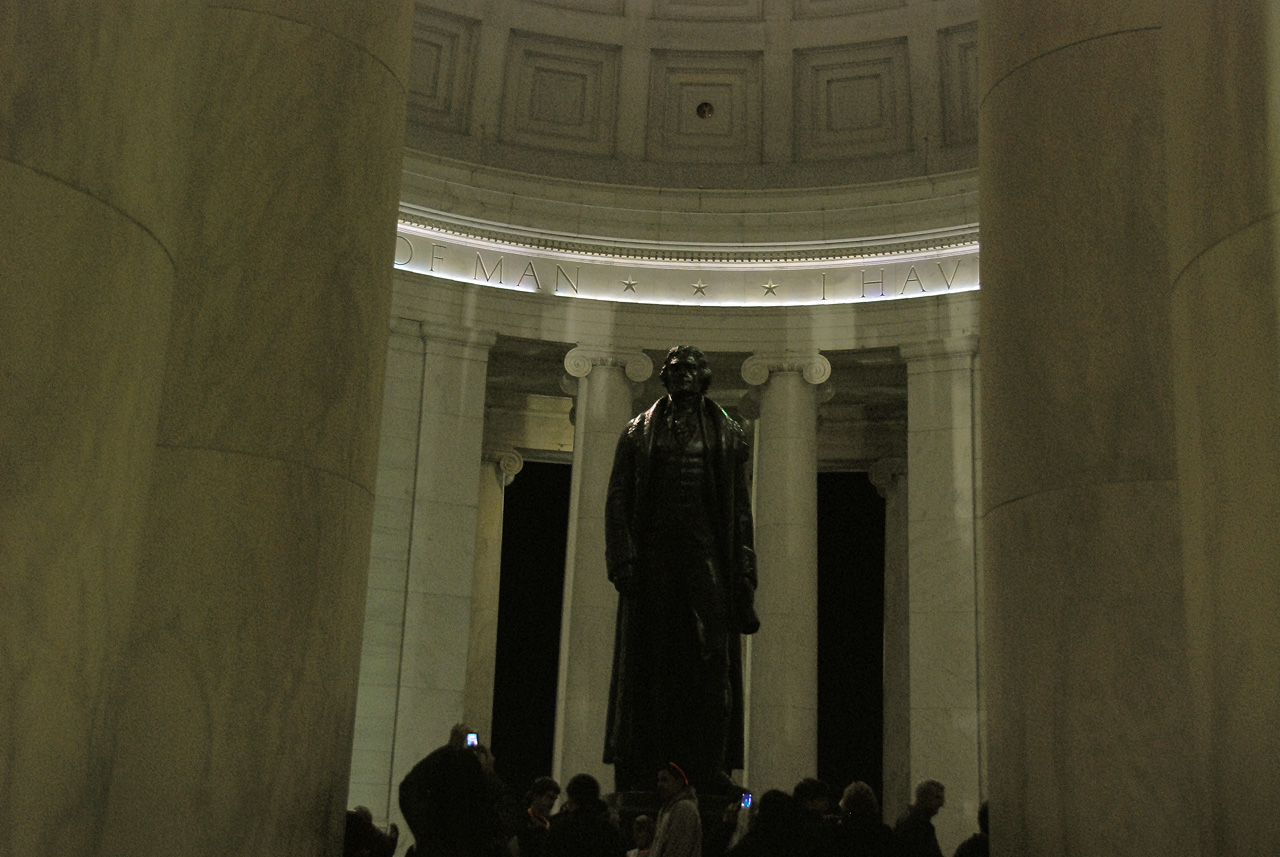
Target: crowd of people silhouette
456 805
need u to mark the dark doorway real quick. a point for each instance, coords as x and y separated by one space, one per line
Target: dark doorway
850 631
535 524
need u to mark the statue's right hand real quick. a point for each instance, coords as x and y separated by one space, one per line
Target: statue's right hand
624 580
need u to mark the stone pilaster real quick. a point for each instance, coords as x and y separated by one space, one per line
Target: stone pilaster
889 475
782 731
438 589
941 597
603 406
382 646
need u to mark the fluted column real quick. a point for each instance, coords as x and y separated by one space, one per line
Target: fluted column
239 685
498 470
782 742
889 475
941 570
1086 642
94 138
1222 66
601 411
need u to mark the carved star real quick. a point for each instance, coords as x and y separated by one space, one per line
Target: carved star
699 288
770 288
628 285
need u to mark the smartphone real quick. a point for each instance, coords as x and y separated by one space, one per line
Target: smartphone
746 800
472 739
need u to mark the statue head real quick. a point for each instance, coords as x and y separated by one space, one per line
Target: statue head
683 366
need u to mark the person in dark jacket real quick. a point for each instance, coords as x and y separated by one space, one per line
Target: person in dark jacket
584 827
775 829
859 830
813 802
536 824
365 839
450 802
913 835
977 845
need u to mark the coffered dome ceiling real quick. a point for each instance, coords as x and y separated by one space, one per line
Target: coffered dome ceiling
714 94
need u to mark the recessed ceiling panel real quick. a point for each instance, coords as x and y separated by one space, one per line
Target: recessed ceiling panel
441 69
827 8
958 69
704 107
604 7
560 94
708 10
852 101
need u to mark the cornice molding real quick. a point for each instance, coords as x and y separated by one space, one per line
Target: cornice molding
845 250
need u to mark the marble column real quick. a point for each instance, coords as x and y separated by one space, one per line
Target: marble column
1222 80
238 687
941 569
889 475
496 473
93 141
782 741
601 410
1086 646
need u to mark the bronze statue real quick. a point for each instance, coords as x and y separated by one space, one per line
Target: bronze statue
678 544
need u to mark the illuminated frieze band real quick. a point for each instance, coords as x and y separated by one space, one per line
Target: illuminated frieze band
729 283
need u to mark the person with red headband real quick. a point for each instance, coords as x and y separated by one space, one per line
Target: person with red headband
679 830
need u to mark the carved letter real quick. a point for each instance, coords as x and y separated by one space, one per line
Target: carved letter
911 275
945 278
530 272
572 283
488 275
406 248
824 285
436 257
879 282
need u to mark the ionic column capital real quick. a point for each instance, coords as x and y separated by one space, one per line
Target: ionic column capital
814 367
506 464
885 472
581 360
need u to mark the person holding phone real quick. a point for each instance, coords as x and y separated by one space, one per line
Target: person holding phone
449 803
